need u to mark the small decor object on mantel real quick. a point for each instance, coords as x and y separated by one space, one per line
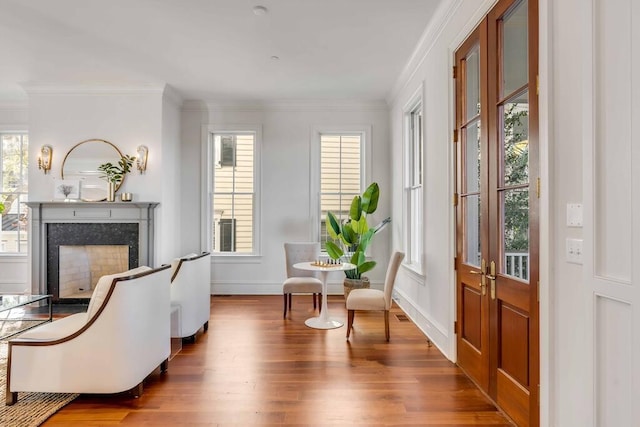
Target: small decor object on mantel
68 190
114 174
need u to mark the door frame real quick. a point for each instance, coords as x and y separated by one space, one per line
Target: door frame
539 205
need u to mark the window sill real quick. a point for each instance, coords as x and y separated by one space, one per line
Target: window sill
13 255
218 258
415 271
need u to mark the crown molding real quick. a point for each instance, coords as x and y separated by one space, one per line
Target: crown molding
308 105
434 29
14 106
51 89
172 95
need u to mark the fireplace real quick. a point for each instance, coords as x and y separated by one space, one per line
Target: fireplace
73 244
84 240
81 266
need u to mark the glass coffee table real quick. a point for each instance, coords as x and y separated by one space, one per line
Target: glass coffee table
19 313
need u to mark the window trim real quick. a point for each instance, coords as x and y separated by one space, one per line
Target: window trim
208 168
314 168
10 129
415 102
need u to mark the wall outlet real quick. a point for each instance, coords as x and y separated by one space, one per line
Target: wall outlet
574 215
574 251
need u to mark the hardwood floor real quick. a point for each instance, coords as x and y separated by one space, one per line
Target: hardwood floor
254 368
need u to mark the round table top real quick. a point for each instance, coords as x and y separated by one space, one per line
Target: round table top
313 266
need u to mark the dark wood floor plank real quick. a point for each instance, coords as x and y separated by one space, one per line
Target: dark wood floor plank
254 368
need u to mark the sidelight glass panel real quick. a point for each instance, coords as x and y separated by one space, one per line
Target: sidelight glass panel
515 141
514 39
472 157
472 83
472 229
515 241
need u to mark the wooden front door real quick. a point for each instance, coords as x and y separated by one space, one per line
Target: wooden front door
497 208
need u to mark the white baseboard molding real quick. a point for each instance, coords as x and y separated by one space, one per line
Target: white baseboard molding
432 329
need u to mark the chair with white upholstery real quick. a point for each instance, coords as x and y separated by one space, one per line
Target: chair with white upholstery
191 294
301 281
374 299
122 338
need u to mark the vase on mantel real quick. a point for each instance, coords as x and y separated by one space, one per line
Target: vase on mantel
111 196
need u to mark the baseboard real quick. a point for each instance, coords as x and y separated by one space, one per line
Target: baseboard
436 332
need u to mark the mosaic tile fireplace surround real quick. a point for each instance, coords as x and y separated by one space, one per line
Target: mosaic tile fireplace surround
73 244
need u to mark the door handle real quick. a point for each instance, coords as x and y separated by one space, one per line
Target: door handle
492 277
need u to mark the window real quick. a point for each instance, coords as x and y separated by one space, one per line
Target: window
234 210
413 187
13 193
341 156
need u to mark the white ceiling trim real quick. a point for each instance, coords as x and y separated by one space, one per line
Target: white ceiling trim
437 24
46 89
286 105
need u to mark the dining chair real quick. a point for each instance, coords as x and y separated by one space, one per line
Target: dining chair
374 299
301 281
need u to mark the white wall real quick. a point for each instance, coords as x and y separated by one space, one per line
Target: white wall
169 157
285 184
594 307
126 117
430 299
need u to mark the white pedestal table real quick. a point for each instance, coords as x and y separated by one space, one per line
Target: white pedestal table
323 321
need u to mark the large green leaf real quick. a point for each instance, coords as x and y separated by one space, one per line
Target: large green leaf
370 198
334 250
358 258
356 208
333 226
366 266
365 240
349 236
361 226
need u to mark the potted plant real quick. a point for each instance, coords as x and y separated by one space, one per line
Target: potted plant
352 237
114 174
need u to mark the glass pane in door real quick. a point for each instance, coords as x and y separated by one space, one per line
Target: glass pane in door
472 83
515 62
515 141
471 206
472 158
514 205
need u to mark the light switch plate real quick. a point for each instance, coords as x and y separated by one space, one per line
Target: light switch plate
574 251
574 214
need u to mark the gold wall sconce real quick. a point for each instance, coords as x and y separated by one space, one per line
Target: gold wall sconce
44 159
141 160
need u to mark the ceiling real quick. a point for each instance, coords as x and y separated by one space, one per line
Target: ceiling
212 49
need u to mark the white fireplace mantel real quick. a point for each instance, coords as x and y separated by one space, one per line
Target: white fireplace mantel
43 213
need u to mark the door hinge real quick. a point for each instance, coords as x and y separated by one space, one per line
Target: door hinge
455 135
455 327
455 263
538 187
537 84
455 72
455 199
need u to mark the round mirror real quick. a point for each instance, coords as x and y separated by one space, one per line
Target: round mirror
81 163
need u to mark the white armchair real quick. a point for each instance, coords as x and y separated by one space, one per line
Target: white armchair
191 294
113 347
